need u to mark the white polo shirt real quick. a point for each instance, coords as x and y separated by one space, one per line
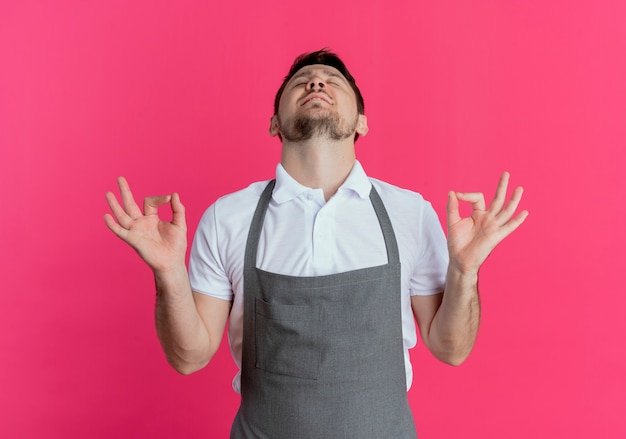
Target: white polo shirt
304 235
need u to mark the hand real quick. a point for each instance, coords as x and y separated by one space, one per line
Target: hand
471 240
162 245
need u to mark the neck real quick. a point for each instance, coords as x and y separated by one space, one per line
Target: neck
319 163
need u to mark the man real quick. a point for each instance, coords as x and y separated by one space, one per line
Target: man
321 273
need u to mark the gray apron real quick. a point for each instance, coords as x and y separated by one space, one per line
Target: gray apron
323 356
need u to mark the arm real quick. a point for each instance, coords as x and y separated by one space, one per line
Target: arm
190 326
449 322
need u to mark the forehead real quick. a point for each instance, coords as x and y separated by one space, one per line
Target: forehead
318 69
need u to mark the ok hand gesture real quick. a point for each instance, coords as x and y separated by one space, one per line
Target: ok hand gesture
471 239
162 245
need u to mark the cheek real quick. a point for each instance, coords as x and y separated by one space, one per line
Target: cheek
287 104
349 102
349 109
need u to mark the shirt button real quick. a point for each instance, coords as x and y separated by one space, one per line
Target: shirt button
309 197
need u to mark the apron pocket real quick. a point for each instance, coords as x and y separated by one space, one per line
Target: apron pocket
288 339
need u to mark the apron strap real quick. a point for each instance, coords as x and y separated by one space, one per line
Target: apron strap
393 255
257 224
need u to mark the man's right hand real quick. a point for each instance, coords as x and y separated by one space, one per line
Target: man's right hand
162 245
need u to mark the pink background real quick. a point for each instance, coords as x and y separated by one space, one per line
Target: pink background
178 96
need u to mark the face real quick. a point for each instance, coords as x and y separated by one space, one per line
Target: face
318 101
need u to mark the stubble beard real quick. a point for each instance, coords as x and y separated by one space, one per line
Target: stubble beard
325 124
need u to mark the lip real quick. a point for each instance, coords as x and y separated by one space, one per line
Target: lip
316 96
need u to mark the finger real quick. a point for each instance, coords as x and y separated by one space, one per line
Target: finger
120 214
128 200
178 211
118 230
476 198
507 213
514 223
453 208
498 200
151 204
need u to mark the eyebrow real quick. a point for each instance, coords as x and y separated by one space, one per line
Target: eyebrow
329 73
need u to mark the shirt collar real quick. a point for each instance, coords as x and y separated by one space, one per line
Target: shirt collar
357 181
287 188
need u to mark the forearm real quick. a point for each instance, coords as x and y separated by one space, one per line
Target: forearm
183 336
455 325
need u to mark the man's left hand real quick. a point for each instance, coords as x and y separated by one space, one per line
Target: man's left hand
471 239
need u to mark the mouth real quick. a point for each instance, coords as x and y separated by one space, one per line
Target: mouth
316 97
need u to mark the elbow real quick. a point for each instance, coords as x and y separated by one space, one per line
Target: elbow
453 359
453 355
451 349
186 367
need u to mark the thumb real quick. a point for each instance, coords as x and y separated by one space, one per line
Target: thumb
453 208
151 204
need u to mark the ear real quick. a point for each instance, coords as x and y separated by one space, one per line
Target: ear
274 126
361 125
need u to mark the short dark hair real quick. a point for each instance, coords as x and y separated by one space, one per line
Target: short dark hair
327 58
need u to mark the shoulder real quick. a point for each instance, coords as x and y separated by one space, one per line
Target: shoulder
232 209
399 198
242 196
410 213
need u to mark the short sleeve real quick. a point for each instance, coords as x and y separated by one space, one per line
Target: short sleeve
206 269
429 275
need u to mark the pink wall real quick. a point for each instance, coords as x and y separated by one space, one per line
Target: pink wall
178 95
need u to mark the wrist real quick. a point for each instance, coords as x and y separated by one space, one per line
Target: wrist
461 275
171 279
172 269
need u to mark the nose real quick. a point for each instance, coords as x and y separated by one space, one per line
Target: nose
315 84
